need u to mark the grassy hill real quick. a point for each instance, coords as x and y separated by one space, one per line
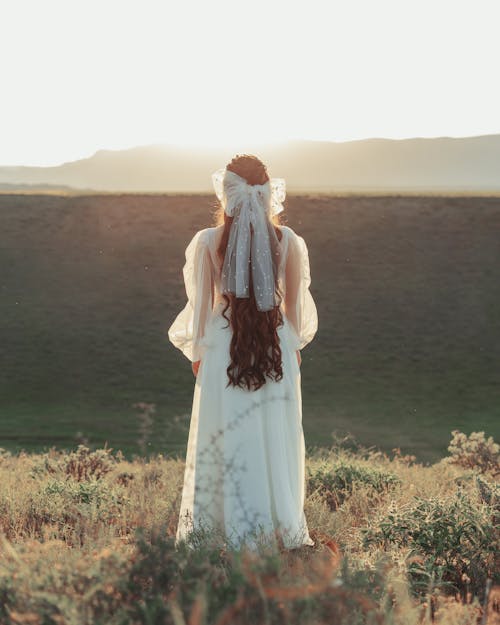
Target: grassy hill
408 296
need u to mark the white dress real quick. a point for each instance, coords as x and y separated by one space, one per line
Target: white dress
245 457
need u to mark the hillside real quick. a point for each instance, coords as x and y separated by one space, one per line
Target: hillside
440 164
407 290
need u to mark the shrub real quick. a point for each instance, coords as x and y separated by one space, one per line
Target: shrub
46 583
90 492
475 452
489 492
69 510
335 483
450 541
81 464
84 464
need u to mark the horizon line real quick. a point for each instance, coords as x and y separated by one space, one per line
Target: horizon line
214 147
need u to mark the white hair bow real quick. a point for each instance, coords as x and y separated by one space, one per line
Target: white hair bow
274 190
252 239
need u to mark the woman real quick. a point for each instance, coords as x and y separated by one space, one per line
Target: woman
248 315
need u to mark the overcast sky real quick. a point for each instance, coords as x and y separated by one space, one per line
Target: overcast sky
81 75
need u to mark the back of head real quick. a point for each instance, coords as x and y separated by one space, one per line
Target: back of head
255 349
249 167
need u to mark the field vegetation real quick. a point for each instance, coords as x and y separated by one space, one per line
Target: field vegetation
87 538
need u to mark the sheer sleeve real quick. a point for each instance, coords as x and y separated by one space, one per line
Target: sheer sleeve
300 308
188 329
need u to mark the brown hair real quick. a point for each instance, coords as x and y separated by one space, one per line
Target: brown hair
255 349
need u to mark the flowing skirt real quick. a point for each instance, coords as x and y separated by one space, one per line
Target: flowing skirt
245 457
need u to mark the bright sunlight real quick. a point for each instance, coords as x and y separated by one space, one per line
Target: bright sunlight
89 75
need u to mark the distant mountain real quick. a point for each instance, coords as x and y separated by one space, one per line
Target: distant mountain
441 164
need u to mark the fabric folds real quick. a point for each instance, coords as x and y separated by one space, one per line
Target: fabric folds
188 329
245 459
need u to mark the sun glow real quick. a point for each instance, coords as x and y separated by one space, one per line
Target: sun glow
87 75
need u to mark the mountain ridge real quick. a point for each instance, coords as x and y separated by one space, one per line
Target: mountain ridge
417 164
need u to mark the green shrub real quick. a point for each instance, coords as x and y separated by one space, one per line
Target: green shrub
90 492
73 511
336 482
451 541
489 492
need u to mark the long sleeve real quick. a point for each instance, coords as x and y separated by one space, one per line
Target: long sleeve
188 329
300 308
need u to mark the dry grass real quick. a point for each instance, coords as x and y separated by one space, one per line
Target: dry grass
87 537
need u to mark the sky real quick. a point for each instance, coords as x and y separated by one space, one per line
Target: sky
82 75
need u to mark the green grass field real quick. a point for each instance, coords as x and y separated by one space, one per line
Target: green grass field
408 296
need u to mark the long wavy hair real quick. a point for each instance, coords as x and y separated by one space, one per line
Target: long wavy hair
255 348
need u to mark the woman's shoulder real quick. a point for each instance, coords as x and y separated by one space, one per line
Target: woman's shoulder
211 232
205 235
290 234
205 239
212 235
287 231
199 241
